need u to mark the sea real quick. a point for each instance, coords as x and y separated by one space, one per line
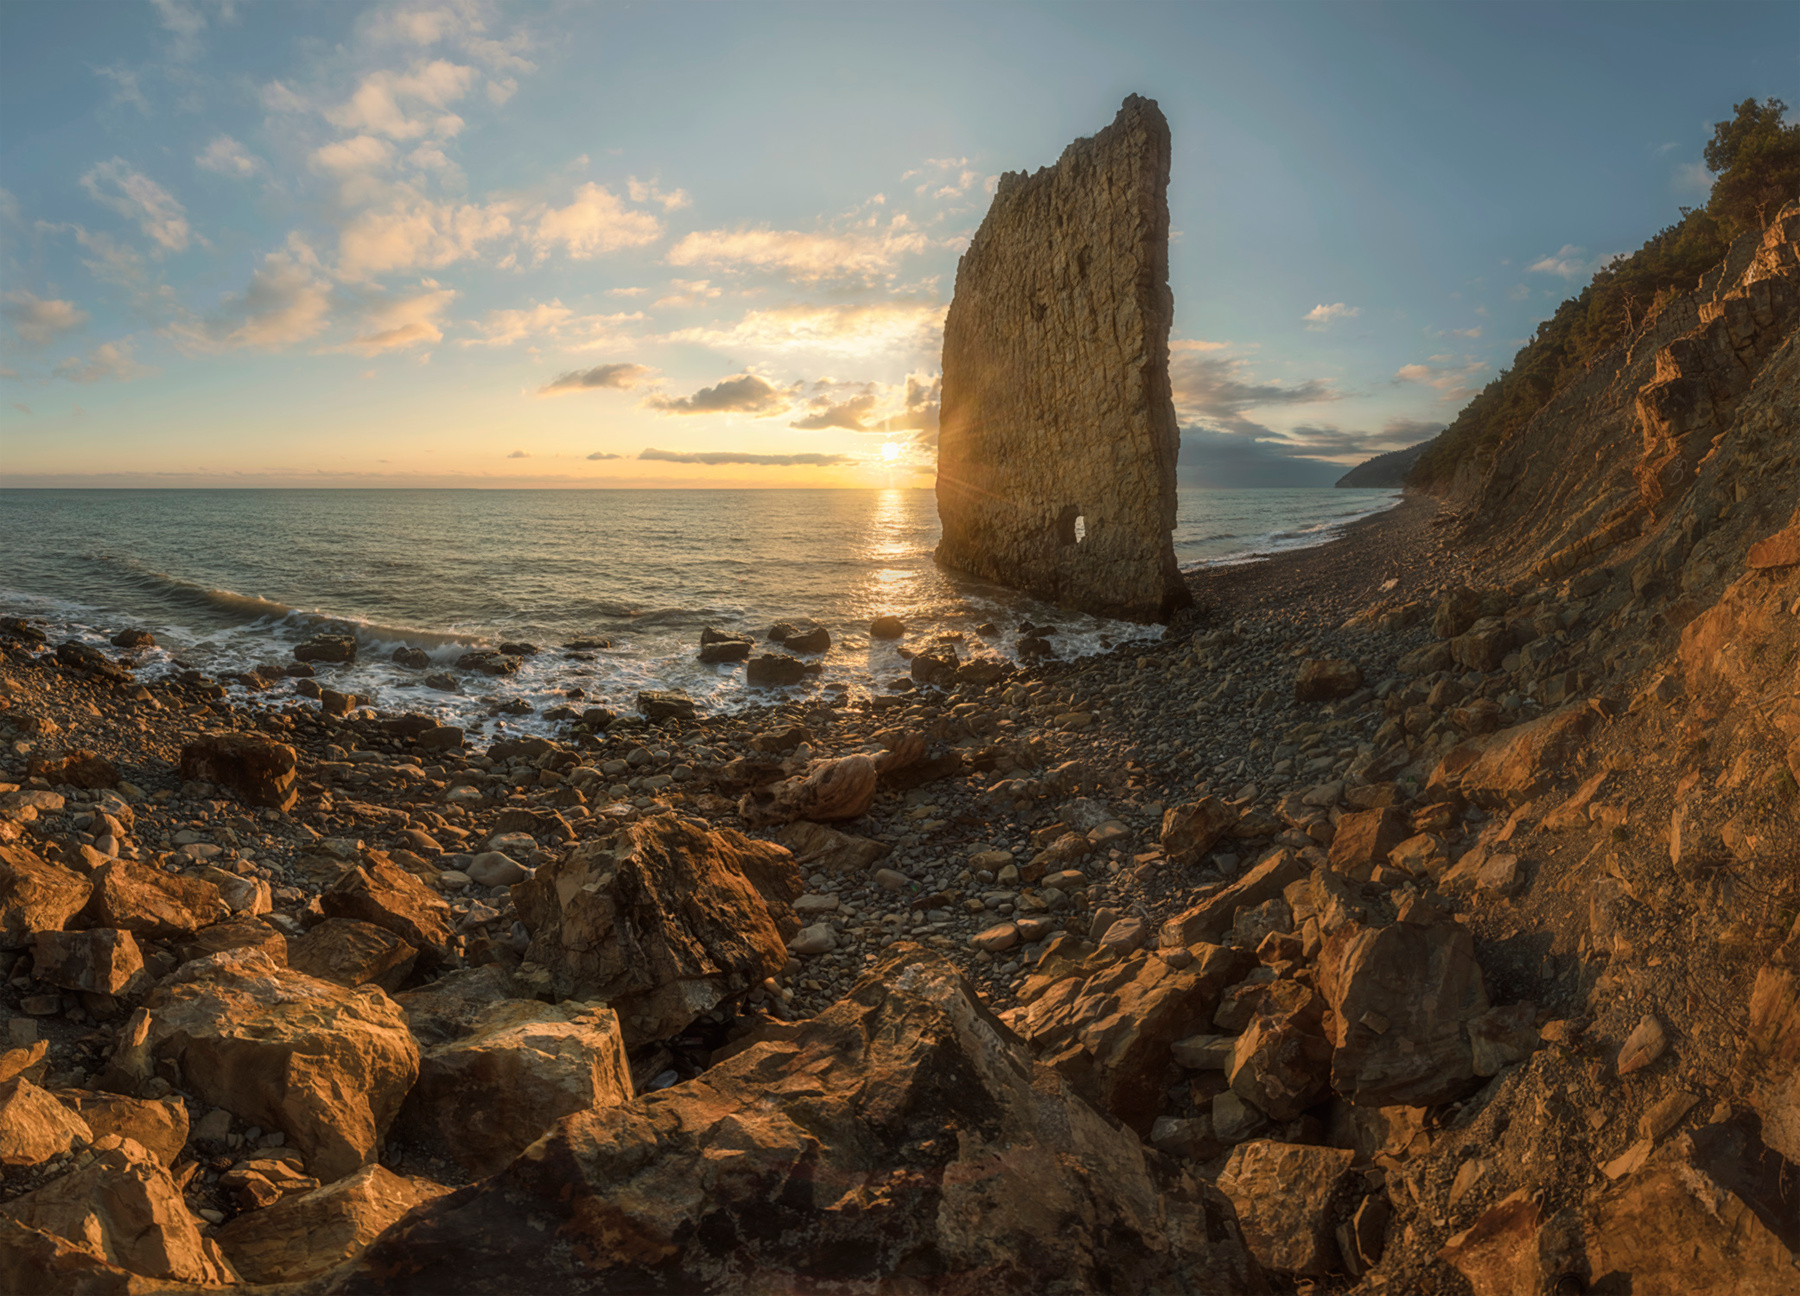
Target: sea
229 579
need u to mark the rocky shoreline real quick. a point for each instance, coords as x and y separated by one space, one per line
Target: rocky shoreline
1249 909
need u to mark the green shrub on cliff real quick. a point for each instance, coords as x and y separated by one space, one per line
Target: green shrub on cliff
1757 161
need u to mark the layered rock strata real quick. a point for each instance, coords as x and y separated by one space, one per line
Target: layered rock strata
1056 454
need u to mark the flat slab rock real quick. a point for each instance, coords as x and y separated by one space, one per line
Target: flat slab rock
903 1134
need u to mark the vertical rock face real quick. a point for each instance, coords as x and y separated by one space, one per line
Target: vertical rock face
1056 454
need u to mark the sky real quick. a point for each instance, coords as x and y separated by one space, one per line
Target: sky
451 242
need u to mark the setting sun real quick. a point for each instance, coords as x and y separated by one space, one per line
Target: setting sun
890 451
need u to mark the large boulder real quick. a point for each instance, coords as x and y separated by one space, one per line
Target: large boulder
1402 998
836 789
486 1097
1109 1030
1511 766
34 1127
1364 838
258 770
160 1126
1325 679
36 896
901 1138
382 894
663 921
101 961
817 847
774 670
1212 917
305 1234
1769 1064
123 1209
1281 1063
1284 1195
137 897
79 768
352 953
326 1065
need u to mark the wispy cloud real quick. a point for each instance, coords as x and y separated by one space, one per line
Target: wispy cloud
228 157
1571 262
645 191
519 454
602 454
1453 379
616 377
406 321
117 185
850 331
809 257
714 457
108 362
548 321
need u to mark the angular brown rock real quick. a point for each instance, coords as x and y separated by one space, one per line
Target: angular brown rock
36 896
102 960
1402 997
1056 455
1284 1195
259 770
1505 768
1190 831
1326 679
1109 1031
160 1126
351 953
123 1208
663 922
325 1065
837 789
1209 920
817 847
487 1096
34 1127
1281 1064
306 1234
1363 840
79 768
382 894
921 1133
137 898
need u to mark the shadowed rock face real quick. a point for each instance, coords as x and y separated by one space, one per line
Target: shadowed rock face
1056 453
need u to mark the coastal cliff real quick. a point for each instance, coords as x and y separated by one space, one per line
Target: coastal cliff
1418 914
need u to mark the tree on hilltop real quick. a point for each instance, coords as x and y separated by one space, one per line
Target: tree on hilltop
1757 160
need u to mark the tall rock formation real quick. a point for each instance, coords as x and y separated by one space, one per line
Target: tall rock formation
1056 454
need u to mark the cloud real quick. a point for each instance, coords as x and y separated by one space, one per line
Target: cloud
406 105
552 320
739 457
1320 317
878 329
1692 178
848 415
601 454
1217 389
519 454
404 322
126 89
419 235
1349 446
359 153
135 196
594 223
688 292
108 362
1518 292
643 191
1454 381
228 157
618 377
1471 333
1571 262
745 393
39 320
1223 460
285 302
806 257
